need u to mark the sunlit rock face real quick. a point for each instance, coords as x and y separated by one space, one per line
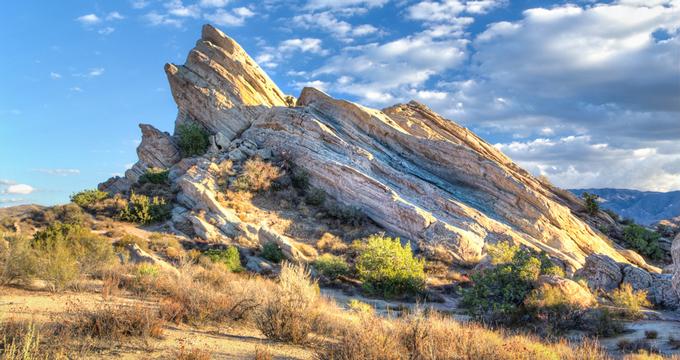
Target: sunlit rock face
413 172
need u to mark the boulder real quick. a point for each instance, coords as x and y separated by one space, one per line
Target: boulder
639 279
662 293
601 272
138 256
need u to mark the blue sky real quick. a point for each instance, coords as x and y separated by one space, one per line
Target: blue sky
585 92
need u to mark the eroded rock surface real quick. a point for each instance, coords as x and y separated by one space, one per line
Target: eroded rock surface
411 171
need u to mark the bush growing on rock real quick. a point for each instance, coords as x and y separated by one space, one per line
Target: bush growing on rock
387 267
192 139
643 241
257 175
498 294
88 198
590 203
272 252
228 257
154 176
315 197
630 301
144 210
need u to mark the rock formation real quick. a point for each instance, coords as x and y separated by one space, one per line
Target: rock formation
415 173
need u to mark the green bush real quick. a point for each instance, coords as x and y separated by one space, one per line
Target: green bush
272 252
590 203
388 268
17 260
498 294
143 210
229 257
331 266
300 179
87 198
346 214
192 139
644 241
154 176
315 197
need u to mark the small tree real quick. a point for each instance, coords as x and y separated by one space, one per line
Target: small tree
591 205
387 267
192 139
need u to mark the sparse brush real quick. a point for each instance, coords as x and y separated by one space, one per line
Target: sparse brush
116 323
263 353
629 300
290 313
184 353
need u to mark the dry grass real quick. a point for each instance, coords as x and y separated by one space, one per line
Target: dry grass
263 353
115 323
290 312
434 336
184 353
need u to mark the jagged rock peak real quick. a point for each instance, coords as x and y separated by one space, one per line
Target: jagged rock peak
220 86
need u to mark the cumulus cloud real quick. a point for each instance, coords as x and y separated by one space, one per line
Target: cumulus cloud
156 19
55 75
310 45
11 188
213 3
344 4
235 17
89 19
328 22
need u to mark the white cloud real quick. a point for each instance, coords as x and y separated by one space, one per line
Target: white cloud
317 84
95 72
89 19
139 4
114 15
235 17
343 4
177 8
106 30
58 172
156 19
310 45
76 89
213 3
328 22
17 189
55 75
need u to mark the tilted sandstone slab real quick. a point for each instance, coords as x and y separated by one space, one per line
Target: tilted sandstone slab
220 86
157 149
411 171
424 178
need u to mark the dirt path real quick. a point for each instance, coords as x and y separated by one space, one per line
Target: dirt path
223 343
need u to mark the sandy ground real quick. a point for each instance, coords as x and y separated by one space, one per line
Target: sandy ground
223 343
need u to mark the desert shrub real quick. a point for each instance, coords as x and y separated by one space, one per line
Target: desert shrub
330 242
651 334
290 312
590 203
498 293
184 353
300 179
20 341
129 239
18 262
602 323
315 197
228 257
331 266
360 307
257 175
117 323
636 346
386 267
272 252
502 253
192 139
88 198
64 251
263 353
345 214
643 241
144 210
629 300
154 176
554 311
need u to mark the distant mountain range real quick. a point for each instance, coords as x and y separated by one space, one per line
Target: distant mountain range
645 207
